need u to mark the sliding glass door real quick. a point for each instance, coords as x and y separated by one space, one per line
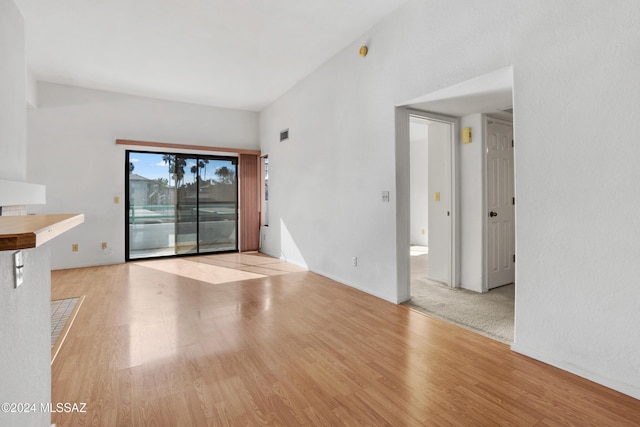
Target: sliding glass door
180 204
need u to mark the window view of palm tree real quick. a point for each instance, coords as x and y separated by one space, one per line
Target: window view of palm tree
181 204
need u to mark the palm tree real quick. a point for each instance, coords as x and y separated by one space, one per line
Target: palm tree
225 174
170 160
181 162
176 167
202 164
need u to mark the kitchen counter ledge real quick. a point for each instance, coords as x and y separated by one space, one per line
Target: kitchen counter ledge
31 231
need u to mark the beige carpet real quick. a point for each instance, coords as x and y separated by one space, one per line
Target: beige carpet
490 314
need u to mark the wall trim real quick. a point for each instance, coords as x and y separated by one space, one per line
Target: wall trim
616 385
283 258
341 281
354 286
185 146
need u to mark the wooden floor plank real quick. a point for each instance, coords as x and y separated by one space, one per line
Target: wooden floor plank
161 344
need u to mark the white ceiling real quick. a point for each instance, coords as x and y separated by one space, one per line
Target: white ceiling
231 53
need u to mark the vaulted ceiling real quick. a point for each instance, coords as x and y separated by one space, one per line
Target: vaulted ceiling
239 54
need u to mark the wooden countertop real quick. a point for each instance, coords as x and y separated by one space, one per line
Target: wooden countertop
31 231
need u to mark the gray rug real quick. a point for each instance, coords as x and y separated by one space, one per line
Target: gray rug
490 314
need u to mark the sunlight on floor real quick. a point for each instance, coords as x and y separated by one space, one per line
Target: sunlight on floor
200 271
223 268
418 250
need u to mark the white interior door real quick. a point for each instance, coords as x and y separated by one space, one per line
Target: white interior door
440 201
500 205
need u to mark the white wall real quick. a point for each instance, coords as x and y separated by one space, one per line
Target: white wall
25 352
72 150
576 103
326 181
575 80
13 113
419 133
471 185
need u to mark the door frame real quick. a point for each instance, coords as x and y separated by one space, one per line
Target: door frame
403 200
485 203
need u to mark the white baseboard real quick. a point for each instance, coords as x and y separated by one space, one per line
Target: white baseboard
616 385
70 266
352 285
403 298
297 264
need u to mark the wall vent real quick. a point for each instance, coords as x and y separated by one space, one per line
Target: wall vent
284 135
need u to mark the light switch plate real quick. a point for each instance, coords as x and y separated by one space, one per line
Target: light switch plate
18 264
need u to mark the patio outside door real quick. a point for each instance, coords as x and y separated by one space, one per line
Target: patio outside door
179 204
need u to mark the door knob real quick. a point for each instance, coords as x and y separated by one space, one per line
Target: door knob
493 213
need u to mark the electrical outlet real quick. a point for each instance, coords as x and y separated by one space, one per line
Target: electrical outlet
74 247
354 261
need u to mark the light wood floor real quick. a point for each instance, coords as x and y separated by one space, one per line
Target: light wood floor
249 340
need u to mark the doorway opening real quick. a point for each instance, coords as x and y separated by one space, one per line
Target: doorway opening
431 196
180 204
471 105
